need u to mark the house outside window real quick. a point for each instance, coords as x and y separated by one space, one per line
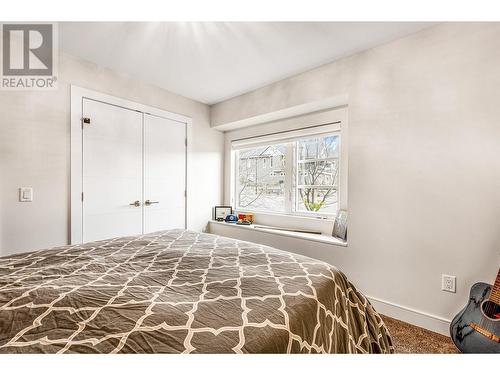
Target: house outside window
259 188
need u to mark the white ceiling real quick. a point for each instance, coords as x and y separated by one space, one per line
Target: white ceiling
213 61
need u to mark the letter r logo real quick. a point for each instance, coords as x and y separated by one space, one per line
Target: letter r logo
27 49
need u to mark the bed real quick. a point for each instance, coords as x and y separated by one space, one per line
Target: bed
180 291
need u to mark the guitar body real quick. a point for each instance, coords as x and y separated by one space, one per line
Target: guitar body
471 340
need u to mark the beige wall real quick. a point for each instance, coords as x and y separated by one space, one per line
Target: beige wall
424 161
34 151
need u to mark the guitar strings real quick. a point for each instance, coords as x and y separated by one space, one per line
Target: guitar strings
488 320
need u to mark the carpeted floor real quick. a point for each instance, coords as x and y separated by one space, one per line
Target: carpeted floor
409 339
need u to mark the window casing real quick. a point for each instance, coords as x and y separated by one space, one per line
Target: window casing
296 176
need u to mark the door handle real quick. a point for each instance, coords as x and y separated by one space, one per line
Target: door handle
149 203
136 204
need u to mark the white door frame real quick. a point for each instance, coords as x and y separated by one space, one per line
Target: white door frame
77 96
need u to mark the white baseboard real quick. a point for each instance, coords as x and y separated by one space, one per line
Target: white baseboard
419 318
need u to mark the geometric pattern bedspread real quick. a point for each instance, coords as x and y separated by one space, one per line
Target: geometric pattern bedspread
180 291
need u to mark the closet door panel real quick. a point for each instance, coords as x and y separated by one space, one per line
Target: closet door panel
164 174
112 171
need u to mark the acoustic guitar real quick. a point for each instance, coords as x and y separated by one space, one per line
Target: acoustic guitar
476 329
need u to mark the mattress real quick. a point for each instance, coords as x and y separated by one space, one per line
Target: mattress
180 291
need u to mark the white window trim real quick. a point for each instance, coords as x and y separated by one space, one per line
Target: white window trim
328 121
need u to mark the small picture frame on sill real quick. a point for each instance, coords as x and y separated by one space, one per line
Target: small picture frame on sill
220 212
340 225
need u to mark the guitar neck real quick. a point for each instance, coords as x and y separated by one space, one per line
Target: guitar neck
495 291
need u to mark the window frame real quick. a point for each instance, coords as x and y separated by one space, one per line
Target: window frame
303 122
291 178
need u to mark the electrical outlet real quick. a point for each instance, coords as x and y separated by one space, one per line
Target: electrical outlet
449 283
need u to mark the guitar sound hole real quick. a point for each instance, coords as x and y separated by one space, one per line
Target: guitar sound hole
491 310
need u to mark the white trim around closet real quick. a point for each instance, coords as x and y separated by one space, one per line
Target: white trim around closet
77 96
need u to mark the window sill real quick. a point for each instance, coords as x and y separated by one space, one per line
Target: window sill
322 238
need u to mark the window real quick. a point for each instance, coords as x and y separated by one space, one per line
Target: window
259 188
299 176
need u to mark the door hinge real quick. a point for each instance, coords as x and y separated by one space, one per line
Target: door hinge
82 196
185 193
186 142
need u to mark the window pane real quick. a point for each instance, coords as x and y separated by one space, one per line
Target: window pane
321 172
261 178
323 200
317 170
318 148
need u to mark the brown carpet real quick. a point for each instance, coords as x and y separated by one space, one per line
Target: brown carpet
410 339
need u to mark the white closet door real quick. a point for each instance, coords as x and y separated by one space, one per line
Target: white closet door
164 174
112 171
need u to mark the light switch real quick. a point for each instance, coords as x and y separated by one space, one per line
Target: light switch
25 194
